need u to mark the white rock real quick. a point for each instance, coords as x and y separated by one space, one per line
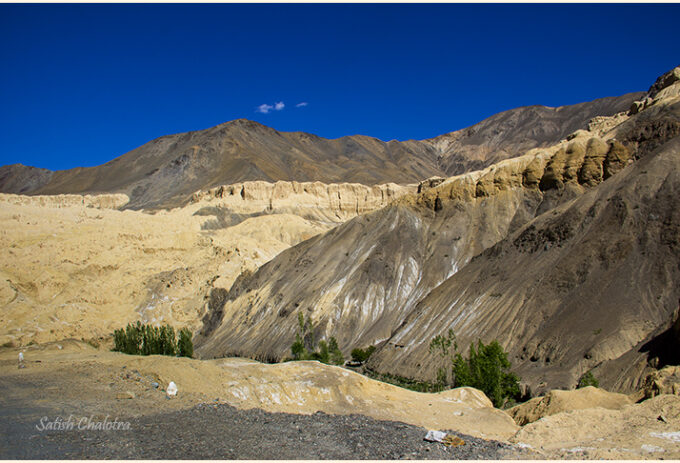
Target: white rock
435 436
674 436
652 448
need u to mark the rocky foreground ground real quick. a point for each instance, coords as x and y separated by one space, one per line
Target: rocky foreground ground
221 431
240 409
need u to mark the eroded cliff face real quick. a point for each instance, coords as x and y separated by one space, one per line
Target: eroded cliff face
547 253
77 267
113 201
334 203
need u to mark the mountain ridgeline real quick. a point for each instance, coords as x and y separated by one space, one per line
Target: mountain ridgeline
167 171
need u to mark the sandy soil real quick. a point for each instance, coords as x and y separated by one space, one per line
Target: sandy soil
76 267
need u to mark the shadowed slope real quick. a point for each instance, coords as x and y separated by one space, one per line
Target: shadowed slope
596 277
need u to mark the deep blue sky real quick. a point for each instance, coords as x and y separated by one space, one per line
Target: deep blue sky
83 84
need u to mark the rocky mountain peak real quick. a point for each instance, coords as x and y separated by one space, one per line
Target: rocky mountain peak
664 81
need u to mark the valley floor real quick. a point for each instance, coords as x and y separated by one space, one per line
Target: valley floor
240 409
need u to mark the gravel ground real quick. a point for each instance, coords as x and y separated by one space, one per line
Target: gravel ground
220 431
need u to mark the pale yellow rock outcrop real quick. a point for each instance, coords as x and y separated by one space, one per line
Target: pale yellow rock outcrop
664 381
294 387
584 160
631 432
336 202
557 401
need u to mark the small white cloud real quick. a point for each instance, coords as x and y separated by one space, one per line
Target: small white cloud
264 108
300 105
279 106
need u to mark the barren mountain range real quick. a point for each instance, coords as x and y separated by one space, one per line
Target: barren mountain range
166 171
552 230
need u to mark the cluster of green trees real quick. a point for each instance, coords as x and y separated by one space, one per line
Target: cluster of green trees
305 347
139 339
486 368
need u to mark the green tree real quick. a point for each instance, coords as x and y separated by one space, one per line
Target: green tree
298 348
167 341
185 347
139 339
322 355
336 357
306 337
304 347
441 345
358 355
487 369
119 340
301 322
133 339
461 370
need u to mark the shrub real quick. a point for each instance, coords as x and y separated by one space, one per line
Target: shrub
298 348
401 381
166 341
587 380
361 355
139 339
441 345
304 346
323 355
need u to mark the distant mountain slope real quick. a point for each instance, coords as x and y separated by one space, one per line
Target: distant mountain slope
21 179
511 133
167 171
